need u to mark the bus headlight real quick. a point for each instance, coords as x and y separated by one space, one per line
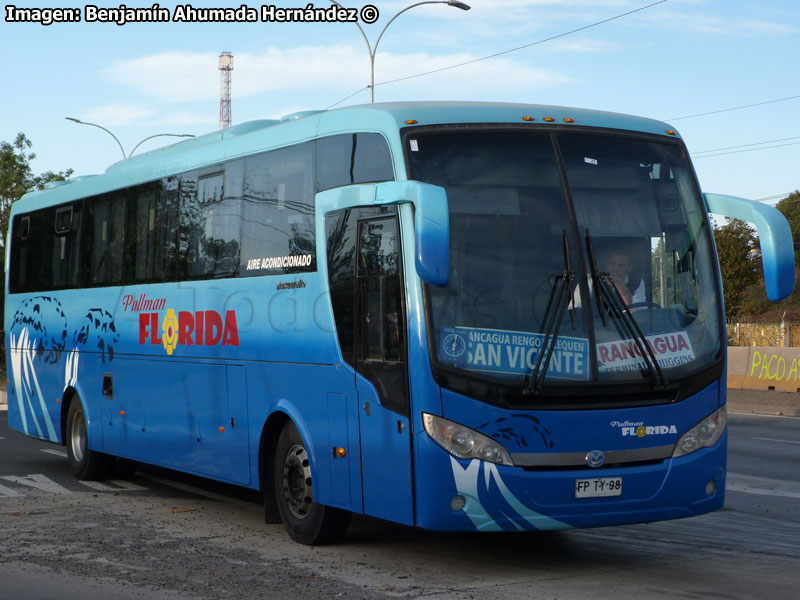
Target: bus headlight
703 435
463 442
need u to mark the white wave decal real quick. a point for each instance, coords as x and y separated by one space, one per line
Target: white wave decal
71 369
26 384
467 483
536 519
16 373
467 486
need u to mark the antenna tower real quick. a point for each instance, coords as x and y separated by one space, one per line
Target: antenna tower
225 68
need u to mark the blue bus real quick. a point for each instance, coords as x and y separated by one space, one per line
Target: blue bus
455 316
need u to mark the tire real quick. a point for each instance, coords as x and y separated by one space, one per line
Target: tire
306 521
84 463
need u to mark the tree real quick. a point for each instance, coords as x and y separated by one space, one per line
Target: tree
790 207
790 307
754 301
736 245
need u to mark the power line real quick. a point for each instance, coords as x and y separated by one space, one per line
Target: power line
496 54
347 98
750 150
714 112
746 145
554 37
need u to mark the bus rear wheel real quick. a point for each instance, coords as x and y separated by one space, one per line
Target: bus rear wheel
84 463
306 521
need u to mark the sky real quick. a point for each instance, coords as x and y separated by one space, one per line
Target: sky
672 60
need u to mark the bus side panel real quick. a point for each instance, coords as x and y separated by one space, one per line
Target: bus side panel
239 434
186 419
321 401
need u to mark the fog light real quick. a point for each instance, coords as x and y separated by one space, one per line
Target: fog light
457 503
711 487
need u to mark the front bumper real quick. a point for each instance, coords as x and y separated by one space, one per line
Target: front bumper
501 498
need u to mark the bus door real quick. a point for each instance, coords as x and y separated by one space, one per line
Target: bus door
382 371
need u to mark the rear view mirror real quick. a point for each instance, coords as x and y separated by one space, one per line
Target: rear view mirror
431 219
431 225
775 237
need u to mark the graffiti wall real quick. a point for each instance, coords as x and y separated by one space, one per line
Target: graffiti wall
763 368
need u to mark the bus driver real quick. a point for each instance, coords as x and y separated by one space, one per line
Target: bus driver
619 266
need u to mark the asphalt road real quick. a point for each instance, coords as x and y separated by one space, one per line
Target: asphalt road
162 535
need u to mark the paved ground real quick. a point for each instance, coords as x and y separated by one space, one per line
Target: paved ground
166 536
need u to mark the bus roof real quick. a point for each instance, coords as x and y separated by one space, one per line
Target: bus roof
266 134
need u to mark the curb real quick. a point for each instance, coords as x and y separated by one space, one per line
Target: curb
763 402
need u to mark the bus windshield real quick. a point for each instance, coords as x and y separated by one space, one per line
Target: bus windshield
576 259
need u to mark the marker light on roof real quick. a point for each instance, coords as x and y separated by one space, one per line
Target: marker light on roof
671 132
411 122
549 119
527 118
569 120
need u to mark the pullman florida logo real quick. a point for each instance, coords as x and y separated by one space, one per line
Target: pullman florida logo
639 429
183 328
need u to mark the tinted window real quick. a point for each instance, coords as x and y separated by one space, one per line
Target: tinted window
27 253
64 248
152 231
211 205
45 249
105 227
352 158
341 238
278 212
379 276
251 216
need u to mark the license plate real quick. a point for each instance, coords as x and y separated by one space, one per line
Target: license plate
598 488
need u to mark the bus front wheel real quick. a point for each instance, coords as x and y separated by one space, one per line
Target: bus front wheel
85 464
306 521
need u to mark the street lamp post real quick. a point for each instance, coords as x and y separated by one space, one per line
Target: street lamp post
373 49
74 120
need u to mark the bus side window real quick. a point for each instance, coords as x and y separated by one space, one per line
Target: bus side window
352 158
379 279
211 204
105 239
278 212
151 238
45 249
27 253
66 223
364 272
380 322
341 234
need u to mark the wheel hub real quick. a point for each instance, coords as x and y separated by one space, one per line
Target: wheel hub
77 437
297 481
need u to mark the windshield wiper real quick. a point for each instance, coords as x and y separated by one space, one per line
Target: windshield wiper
595 277
560 297
606 290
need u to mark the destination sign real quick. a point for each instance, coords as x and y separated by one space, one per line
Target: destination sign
512 352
